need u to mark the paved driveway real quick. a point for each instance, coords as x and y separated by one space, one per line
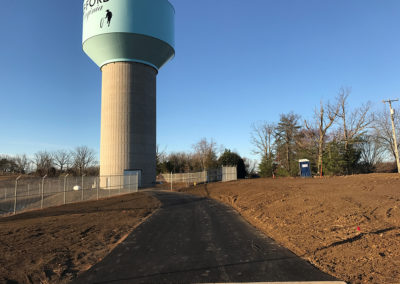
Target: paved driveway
193 239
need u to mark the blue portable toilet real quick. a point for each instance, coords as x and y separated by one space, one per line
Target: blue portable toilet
305 170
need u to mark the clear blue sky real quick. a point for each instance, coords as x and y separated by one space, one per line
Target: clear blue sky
237 62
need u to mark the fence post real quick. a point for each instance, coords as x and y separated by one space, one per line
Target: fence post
130 183
15 194
41 201
28 189
137 182
97 186
82 185
170 180
65 188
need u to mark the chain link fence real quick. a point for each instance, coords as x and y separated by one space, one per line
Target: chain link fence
23 194
181 180
28 193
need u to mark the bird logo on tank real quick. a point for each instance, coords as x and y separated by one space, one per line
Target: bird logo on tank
106 19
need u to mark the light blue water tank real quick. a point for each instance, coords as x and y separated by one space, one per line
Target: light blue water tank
129 30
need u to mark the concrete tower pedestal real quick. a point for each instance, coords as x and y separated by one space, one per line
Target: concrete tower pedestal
128 120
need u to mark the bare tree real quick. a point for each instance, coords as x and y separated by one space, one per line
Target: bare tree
62 158
179 162
43 161
355 123
206 152
371 151
382 129
160 154
308 143
250 166
22 162
82 158
286 137
323 120
161 157
262 137
7 164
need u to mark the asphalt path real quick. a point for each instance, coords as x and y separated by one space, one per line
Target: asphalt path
193 240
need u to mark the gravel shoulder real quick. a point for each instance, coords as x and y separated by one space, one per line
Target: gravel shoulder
56 244
348 226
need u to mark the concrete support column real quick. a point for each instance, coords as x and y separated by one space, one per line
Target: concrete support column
128 120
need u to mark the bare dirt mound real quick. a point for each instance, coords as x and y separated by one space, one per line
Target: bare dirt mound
349 226
55 244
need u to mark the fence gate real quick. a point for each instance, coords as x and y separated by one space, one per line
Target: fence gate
131 176
229 173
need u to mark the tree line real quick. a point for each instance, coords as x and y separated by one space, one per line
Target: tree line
79 161
206 155
336 140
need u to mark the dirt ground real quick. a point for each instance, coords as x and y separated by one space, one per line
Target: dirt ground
348 227
55 244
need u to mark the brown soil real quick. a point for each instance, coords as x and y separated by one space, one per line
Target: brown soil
349 226
8 177
55 244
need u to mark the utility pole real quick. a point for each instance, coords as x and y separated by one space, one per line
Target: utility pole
396 152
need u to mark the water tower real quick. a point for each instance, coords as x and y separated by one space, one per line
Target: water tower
130 40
